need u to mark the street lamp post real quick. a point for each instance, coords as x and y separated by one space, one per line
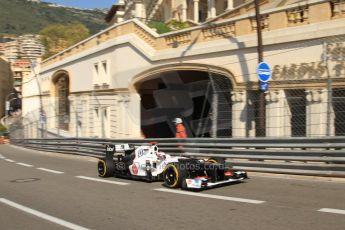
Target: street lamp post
261 112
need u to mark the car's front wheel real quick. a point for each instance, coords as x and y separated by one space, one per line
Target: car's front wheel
173 176
216 160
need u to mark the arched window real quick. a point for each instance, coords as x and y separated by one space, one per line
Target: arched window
62 92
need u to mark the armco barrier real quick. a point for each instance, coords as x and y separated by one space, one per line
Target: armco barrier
304 156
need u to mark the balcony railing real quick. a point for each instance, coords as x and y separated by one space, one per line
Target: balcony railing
278 18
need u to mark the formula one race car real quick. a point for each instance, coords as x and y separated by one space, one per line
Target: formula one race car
147 163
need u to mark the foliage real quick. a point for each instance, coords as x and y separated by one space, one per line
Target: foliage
172 25
177 25
160 27
22 16
57 37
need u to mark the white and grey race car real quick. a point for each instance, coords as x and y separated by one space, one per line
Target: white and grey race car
147 163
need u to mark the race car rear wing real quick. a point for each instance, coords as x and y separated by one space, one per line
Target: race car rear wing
111 149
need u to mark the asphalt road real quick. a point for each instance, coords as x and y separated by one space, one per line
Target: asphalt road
56 191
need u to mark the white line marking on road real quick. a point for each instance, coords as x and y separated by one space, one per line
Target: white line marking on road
2 157
104 181
23 164
42 215
331 210
211 196
9 160
50 170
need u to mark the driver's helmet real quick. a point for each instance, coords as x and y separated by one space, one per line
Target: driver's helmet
177 120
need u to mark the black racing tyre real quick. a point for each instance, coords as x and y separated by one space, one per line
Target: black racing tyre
216 160
173 175
106 167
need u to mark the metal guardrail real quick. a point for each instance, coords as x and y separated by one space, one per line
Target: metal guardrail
301 156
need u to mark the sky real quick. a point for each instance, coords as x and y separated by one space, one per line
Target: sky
85 3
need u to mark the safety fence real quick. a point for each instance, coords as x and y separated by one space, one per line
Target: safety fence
219 113
300 156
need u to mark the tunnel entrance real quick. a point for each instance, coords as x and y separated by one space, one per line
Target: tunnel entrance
201 99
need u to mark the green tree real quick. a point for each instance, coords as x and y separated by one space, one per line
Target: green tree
57 37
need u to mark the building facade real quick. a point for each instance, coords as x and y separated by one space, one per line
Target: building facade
21 52
26 46
128 81
30 47
195 11
6 85
12 50
21 69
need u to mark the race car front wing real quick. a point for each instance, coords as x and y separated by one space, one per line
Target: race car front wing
200 183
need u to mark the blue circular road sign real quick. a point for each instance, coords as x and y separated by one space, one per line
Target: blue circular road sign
264 72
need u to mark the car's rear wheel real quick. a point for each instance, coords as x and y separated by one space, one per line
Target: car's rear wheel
106 167
173 176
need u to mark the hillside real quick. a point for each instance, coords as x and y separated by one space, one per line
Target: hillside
22 16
